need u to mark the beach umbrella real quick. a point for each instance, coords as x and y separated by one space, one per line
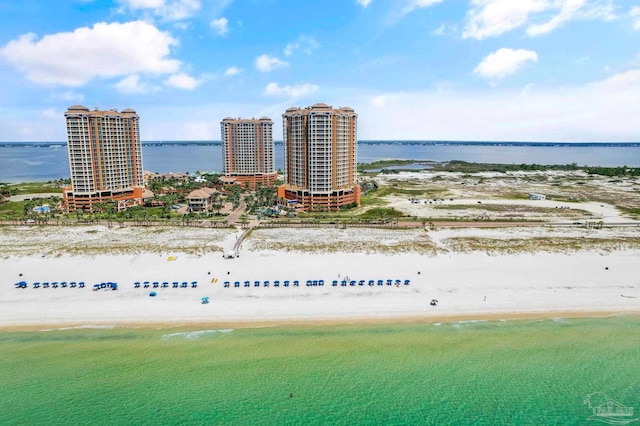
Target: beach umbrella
205 300
153 294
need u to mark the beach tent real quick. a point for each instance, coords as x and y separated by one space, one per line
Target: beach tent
153 294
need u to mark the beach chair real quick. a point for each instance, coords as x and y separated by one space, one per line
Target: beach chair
165 284
296 283
194 284
36 285
256 283
285 283
81 284
276 283
226 284
136 284
334 283
247 283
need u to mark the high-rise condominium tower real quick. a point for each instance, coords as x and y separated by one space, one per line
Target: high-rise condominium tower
105 158
320 145
247 150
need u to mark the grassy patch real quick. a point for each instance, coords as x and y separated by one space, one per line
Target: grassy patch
381 212
539 244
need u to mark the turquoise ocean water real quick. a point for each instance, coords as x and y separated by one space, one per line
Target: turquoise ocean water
475 373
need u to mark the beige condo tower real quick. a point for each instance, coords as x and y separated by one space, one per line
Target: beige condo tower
105 158
320 145
248 151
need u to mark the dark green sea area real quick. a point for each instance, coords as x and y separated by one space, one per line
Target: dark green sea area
466 373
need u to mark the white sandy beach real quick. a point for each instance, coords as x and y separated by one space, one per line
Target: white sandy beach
472 285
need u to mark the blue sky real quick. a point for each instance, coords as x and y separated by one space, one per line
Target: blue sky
520 70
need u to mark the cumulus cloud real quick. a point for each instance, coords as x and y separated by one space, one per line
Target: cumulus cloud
132 84
364 3
231 71
568 10
635 15
71 96
182 81
103 51
51 113
504 62
307 44
221 26
418 4
170 10
266 63
600 111
490 18
295 91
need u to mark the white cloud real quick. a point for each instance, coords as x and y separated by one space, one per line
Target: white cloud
601 111
182 81
490 18
307 44
221 26
71 96
296 91
504 62
231 71
103 51
412 5
50 113
170 10
266 63
131 84
440 30
635 15
364 3
567 12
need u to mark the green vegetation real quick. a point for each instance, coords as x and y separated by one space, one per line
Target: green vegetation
539 244
613 171
376 165
463 166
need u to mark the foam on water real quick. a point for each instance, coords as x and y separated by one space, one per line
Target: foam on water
190 335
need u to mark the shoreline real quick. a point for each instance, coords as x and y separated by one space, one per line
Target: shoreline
321 322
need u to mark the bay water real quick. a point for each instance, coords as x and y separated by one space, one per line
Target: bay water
35 162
